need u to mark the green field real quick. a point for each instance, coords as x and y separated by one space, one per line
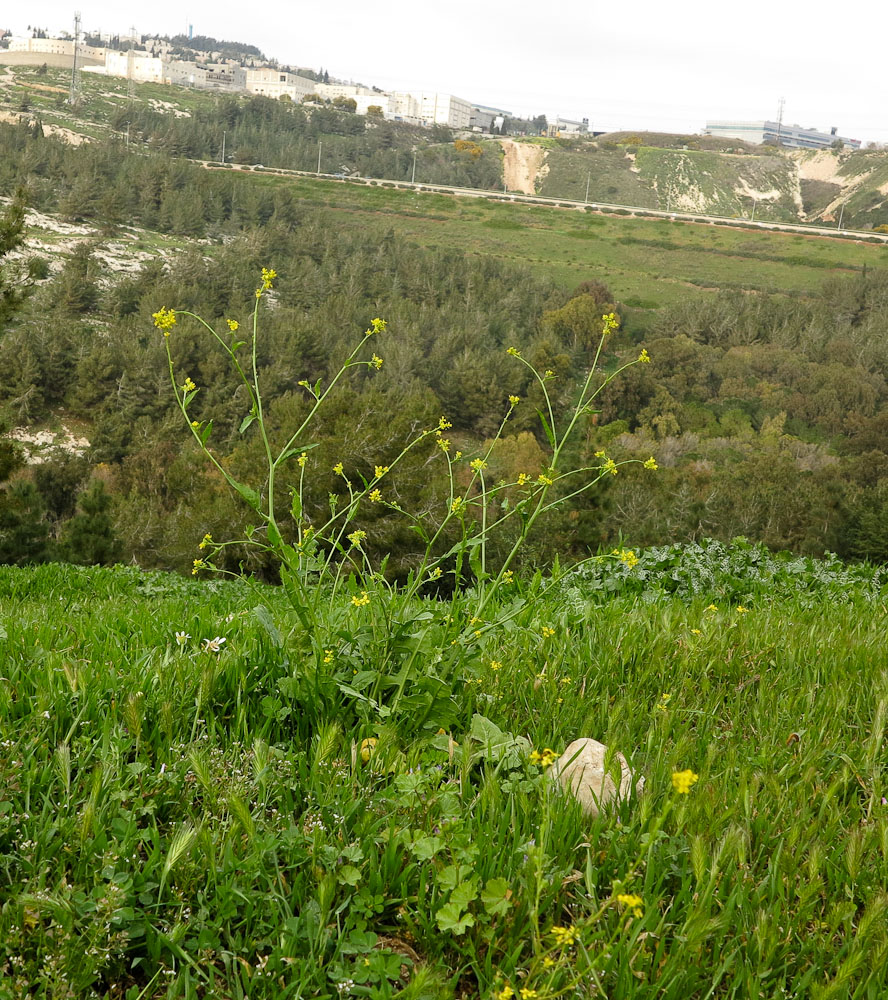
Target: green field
178 821
648 263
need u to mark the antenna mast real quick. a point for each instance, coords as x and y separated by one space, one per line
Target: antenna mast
780 104
74 96
130 59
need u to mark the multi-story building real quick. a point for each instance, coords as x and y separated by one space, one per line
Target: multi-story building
58 47
277 83
134 64
793 136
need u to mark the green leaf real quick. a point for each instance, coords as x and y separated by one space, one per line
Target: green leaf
263 616
349 875
450 877
245 423
247 492
205 433
464 893
496 897
550 435
451 918
425 848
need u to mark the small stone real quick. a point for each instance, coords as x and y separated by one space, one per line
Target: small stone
580 770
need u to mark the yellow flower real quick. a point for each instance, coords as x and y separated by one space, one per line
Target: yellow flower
444 444
547 632
565 937
523 478
195 424
696 631
644 357
376 326
444 424
506 993
337 468
609 466
650 463
741 610
165 320
548 962
456 505
205 541
478 464
436 572
545 759
199 564
188 385
549 373
711 607
599 454
359 602
380 470
457 456
232 324
508 576
495 665
513 351
268 275
514 400
665 698
367 747
303 458
628 557
682 781
528 994
356 537
632 903
374 496
609 323
328 656
544 480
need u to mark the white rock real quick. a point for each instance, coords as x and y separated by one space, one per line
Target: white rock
580 770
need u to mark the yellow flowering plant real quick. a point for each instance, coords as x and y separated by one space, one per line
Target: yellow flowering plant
333 578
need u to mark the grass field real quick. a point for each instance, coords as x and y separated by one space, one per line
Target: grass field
648 263
184 821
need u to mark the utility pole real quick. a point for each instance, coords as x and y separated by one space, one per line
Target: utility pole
588 181
780 104
754 203
223 146
413 174
75 94
319 157
841 216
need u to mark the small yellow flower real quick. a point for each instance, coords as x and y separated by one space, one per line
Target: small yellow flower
205 541
444 444
513 351
359 602
457 456
495 665
565 680
544 480
599 454
337 468
696 631
508 576
232 324
565 937
528 994
374 496
328 656
506 993
303 458
199 564
547 632
651 463
631 902
663 703
683 780
376 362
380 470
478 464
628 557
165 320
367 747
549 373
436 572
444 424
609 466
514 400
741 610
376 326
609 323
268 275
304 383
644 357
523 478
356 537
195 424
711 607
456 505
188 385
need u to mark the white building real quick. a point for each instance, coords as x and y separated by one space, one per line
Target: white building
779 133
57 47
276 83
433 109
333 90
135 64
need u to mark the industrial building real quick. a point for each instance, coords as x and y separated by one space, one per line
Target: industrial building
778 133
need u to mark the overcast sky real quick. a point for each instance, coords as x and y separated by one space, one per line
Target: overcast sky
635 64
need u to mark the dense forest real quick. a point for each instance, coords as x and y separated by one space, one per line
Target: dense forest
766 414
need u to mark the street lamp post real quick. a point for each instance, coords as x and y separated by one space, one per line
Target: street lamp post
319 157
223 146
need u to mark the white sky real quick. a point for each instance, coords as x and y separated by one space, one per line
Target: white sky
632 64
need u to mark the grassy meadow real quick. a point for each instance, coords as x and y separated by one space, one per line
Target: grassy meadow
182 816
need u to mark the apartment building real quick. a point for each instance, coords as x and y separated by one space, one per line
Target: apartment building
793 136
276 83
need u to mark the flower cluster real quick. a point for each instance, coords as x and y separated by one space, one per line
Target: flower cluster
626 556
165 320
650 463
644 357
565 937
683 780
545 759
631 902
376 326
359 602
